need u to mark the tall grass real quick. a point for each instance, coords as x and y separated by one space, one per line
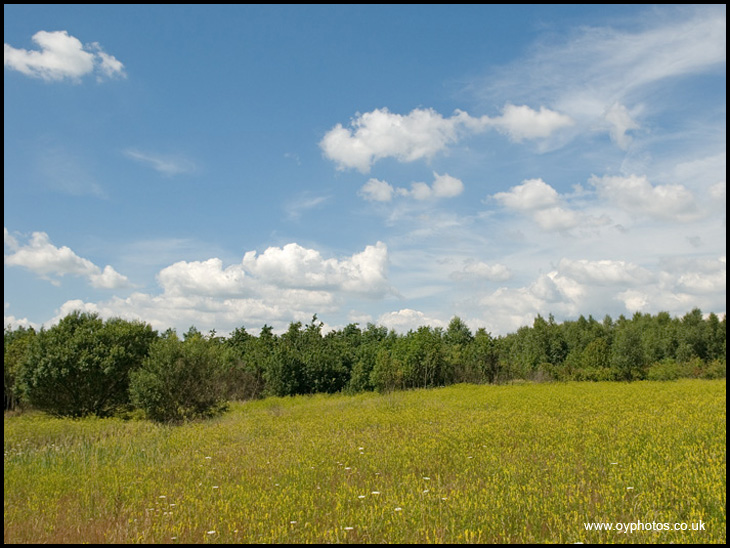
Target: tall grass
520 463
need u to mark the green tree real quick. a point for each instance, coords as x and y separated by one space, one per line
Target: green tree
627 352
245 376
372 340
81 366
388 373
15 343
693 337
181 380
483 358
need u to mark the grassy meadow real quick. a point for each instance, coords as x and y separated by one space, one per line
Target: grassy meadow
514 463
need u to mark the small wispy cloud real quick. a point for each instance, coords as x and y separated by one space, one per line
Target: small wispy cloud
605 78
167 165
295 208
68 171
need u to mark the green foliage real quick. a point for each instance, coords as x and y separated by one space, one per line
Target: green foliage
245 376
627 353
372 340
304 362
667 370
15 344
716 369
388 373
481 360
81 366
181 380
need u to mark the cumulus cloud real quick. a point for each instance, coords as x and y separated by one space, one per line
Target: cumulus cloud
294 266
696 276
293 270
62 56
45 259
637 195
541 202
377 191
406 319
522 122
532 194
549 293
207 278
13 322
443 186
381 134
423 133
275 287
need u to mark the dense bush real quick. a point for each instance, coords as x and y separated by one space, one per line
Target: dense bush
181 380
15 350
81 366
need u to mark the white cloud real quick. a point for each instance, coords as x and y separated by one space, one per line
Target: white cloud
478 270
444 186
108 279
637 195
696 276
377 191
634 300
604 272
164 164
423 133
291 270
700 282
620 122
549 293
61 56
522 122
207 278
407 319
294 266
302 203
558 219
530 195
279 286
45 259
601 76
13 322
718 192
381 134
543 204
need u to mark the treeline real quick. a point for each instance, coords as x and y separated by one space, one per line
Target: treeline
85 365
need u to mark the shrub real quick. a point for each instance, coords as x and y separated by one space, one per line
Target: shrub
716 369
667 370
181 380
81 366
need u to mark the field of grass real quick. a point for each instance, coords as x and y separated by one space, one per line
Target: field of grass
517 463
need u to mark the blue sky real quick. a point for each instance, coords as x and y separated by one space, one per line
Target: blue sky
234 166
